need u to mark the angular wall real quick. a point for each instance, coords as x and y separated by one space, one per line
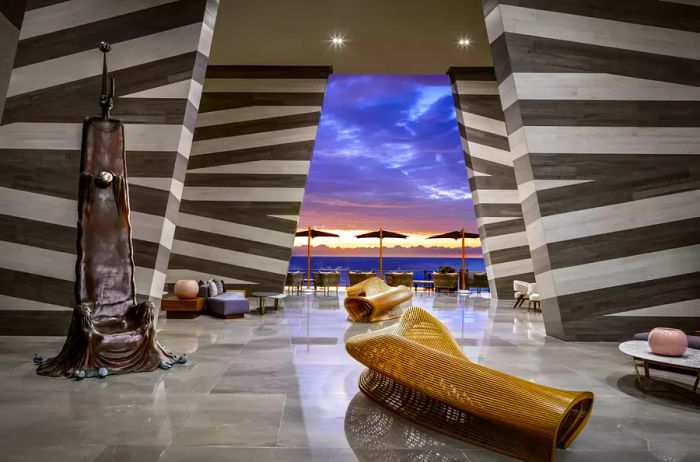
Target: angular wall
11 16
159 55
603 115
491 178
246 175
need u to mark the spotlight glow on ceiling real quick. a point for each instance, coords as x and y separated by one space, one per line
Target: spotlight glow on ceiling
337 40
463 42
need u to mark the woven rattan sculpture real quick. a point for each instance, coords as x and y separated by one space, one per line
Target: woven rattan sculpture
373 300
416 369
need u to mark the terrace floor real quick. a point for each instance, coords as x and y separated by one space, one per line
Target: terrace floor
281 387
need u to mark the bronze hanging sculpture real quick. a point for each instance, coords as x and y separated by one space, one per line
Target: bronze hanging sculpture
110 332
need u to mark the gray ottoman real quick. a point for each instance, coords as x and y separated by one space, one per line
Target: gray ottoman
228 305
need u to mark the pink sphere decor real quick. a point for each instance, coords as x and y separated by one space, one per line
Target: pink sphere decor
186 288
667 342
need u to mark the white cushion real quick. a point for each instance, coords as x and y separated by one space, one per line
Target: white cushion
213 289
520 286
535 297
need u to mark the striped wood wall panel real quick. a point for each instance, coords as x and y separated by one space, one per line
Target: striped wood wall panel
159 57
491 178
602 107
246 176
11 16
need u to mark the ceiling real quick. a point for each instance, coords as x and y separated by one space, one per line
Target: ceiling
382 36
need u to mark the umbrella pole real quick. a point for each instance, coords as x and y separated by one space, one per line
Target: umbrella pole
308 259
462 287
381 236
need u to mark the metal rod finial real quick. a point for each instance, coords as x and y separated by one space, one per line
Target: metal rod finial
107 96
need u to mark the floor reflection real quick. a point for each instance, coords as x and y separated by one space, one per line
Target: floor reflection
377 433
281 387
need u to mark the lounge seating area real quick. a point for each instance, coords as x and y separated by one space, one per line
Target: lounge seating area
327 280
469 231
223 302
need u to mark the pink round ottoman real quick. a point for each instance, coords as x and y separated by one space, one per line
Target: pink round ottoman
186 289
667 342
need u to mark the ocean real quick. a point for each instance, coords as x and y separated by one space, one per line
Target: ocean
418 265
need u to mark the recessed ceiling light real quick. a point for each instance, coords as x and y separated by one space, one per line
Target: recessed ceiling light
337 40
463 42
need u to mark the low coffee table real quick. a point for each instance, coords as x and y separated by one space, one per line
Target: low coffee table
178 308
276 296
642 356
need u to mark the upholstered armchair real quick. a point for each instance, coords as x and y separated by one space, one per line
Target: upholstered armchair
373 300
533 297
520 290
417 370
445 281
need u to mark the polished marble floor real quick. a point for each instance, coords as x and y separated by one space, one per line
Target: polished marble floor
280 387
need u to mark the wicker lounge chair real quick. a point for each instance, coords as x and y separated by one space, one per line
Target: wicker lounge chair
395 279
294 281
416 369
478 281
355 277
373 300
445 281
325 280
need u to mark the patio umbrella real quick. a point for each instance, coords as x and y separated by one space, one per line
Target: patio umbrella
381 234
459 235
311 233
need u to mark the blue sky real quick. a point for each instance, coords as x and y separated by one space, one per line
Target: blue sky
388 153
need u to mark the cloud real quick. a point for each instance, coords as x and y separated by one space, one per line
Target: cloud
433 192
388 153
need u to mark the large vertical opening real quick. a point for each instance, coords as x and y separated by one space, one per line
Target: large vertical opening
387 155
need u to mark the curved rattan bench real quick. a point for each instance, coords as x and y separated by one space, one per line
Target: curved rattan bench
418 370
372 300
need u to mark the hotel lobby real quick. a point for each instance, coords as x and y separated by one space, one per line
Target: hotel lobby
176 312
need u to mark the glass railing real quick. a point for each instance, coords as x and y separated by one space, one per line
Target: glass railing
422 274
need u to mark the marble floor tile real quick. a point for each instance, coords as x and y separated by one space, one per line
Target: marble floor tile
280 387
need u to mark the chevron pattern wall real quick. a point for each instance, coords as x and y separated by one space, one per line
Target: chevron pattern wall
246 175
602 108
11 16
491 178
159 57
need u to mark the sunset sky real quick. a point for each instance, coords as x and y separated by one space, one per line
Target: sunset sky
387 153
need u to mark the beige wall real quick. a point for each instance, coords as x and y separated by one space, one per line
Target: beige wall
386 37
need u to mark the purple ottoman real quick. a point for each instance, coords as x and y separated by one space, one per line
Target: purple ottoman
228 305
